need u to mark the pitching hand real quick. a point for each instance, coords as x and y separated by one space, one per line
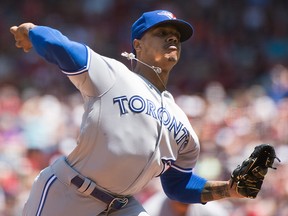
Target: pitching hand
21 36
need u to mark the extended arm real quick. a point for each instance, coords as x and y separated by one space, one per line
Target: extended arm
90 72
51 45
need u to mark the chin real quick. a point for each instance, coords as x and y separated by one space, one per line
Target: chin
172 57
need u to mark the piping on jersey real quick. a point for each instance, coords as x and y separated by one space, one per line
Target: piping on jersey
45 193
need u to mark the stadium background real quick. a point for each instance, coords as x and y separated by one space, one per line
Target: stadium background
232 81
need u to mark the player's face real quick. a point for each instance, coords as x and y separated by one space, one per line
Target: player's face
160 46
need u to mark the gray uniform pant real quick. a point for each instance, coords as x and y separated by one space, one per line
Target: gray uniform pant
53 194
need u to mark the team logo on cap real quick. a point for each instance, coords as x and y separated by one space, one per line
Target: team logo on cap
167 14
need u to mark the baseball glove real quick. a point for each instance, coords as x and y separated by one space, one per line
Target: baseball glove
250 174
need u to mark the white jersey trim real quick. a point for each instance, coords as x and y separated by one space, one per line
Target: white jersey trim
181 170
170 164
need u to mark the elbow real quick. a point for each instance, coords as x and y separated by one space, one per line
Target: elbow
181 186
191 196
171 193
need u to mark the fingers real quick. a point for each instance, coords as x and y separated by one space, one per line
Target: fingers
18 44
20 34
27 48
17 36
24 44
13 29
14 32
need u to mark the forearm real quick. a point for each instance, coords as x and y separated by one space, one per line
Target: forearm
215 190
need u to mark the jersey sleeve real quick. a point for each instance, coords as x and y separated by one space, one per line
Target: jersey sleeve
188 153
56 48
90 72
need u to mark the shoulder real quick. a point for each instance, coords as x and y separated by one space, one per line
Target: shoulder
112 63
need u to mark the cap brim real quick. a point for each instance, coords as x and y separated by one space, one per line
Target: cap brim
184 28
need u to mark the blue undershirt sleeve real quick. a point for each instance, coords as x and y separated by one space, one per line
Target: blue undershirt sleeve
184 187
56 48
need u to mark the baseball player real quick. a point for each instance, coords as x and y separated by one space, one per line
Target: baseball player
132 130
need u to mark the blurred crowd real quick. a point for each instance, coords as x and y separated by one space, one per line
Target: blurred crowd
232 81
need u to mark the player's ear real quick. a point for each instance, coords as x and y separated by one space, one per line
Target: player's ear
137 45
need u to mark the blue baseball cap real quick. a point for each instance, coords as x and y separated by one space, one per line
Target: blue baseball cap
158 17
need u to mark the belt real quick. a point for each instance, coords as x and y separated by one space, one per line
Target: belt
112 201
